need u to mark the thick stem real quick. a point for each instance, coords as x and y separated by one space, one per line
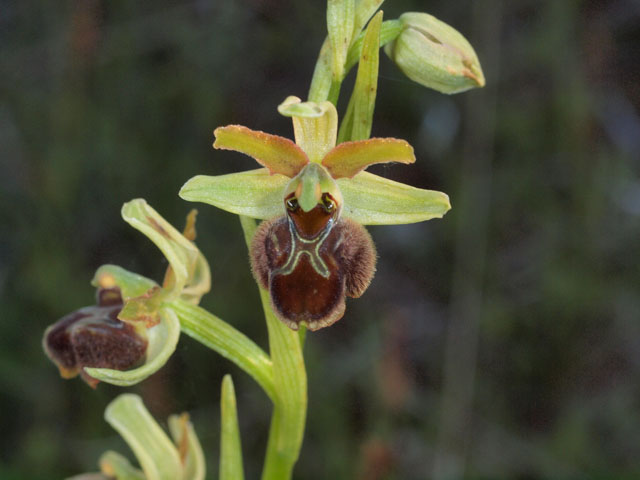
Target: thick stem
290 380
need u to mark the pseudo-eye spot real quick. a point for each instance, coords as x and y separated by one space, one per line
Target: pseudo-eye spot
311 258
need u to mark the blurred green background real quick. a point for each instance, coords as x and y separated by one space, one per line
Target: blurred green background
500 342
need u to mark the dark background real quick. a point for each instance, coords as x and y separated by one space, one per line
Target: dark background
500 342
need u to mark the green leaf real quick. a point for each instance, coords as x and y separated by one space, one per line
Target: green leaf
118 466
363 98
340 23
315 133
188 445
233 345
278 154
180 252
253 193
152 447
350 158
162 338
130 284
230 447
373 200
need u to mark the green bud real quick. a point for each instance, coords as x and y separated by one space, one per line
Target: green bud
435 55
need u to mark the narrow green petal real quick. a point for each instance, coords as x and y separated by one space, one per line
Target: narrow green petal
188 445
278 154
315 125
230 446
156 454
373 200
180 252
118 466
130 284
350 158
340 23
363 98
253 193
162 338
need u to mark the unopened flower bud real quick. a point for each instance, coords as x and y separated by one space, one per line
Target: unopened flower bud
435 55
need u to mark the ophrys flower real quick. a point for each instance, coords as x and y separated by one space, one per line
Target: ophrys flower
313 250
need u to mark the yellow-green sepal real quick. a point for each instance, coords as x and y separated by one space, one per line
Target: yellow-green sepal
117 466
191 455
315 125
253 193
181 253
373 200
130 284
155 452
162 339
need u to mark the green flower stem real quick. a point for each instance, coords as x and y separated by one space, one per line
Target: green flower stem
290 380
218 335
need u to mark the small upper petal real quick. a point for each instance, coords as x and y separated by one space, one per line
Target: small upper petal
278 154
349 158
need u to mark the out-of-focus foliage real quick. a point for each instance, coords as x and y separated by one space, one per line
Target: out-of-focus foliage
534 270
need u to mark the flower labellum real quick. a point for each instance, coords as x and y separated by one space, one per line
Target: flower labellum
310 258
94 337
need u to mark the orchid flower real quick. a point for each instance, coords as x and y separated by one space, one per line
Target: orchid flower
315 196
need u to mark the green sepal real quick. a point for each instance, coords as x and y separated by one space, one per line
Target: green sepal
278 154
315 125
340 23
130 284
155 452
162 339
230 445
253 193
373 200
363 98
180 252
117 466
184 437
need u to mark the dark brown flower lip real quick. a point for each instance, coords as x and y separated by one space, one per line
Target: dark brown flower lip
93 336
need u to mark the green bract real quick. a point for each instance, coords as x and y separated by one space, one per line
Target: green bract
368 199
